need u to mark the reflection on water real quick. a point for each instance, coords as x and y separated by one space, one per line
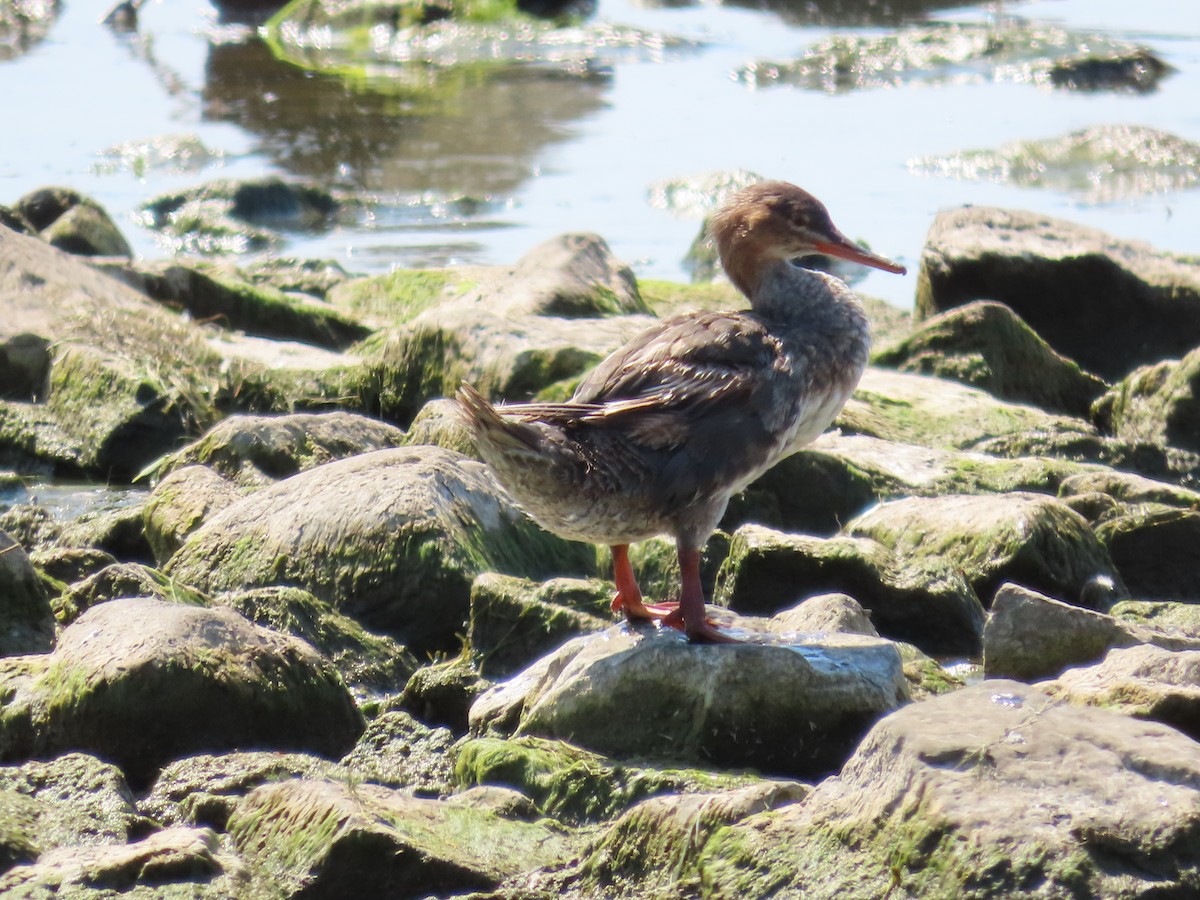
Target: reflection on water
485 161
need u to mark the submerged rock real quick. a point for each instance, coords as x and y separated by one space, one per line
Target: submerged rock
1101 164
793 708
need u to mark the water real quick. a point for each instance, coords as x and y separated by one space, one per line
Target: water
578 154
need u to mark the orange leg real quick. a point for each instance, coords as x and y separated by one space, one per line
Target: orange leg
629 595
690 615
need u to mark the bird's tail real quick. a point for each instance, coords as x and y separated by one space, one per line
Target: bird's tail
487 424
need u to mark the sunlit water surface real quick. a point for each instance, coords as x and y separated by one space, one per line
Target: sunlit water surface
579 154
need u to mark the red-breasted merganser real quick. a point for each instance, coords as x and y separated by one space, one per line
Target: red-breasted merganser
665 430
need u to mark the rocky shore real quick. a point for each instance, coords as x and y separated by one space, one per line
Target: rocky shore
324 655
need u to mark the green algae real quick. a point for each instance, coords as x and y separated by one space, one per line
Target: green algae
400 295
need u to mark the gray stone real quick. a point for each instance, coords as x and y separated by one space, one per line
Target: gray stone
26 619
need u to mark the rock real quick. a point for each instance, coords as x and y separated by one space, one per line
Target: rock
398 751
1030 636
440 425
945 415
68 565
142 682
203 790
326 839
1128 488
1141 303
1156 404
923 601
393 538
209 293
74 799
655 696
26 619
370 664
563 307
572 785
120 581
182 502
72 222
1176 618
1156 550
651 845
1028 538
174 860
514 621
24 367
825 613
251 451
992 791
1145 681
442 693
958 52
986 345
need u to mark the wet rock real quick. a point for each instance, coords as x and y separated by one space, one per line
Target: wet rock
655 696
23 26
182 502
141 682
173 860
570 784
987 346
1145 681
1140 303
72 222
923 601
1157 404
442 693
1137 71
74 799
514 621
327 839
1156 550
203 790
552 317
251 451
393 538
168 154
211 293
992 791
1101 164
398 751
1031 636
26 619
315 277
1027 538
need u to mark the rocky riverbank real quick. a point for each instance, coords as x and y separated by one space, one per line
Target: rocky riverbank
326 656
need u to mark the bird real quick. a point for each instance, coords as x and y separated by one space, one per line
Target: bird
658 437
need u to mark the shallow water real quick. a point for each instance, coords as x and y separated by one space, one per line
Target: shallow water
549 155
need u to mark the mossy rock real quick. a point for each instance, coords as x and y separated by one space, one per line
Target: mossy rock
393 538
574 785
986 345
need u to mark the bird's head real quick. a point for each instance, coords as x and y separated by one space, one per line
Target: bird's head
777 220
